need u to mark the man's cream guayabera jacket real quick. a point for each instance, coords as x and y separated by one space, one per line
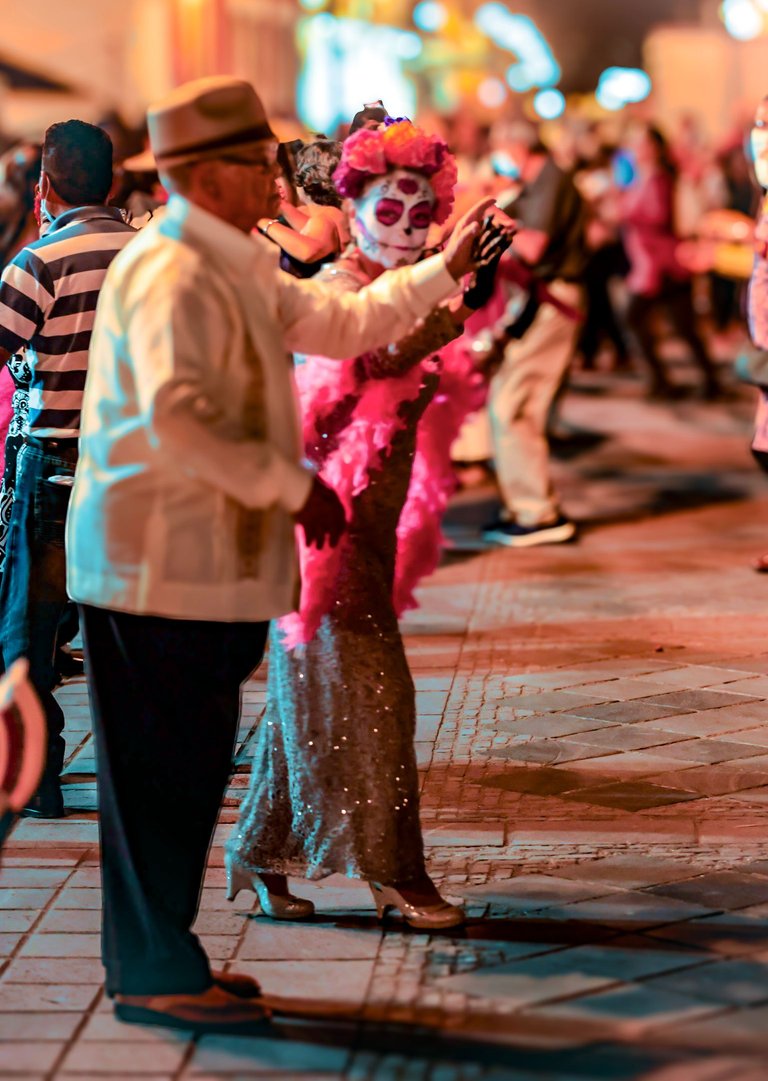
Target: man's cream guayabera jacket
190 453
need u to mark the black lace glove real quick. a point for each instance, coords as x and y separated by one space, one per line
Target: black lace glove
489 247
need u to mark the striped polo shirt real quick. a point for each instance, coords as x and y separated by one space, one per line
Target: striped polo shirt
48 296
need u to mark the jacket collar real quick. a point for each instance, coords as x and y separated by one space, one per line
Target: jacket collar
235 251
85 213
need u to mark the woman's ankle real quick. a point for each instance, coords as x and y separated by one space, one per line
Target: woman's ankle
419 889
275 883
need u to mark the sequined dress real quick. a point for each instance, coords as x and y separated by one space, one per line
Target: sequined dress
334 785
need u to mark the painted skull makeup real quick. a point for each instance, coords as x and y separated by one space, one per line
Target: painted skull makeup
759 144
392 218
759 141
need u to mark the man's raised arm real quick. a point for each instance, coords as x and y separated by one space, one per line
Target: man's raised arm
316 320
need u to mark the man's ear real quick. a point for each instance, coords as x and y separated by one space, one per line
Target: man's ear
45 185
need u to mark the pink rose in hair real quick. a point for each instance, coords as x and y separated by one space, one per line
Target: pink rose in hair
398 144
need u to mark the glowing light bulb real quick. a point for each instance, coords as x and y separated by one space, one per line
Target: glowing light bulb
549 104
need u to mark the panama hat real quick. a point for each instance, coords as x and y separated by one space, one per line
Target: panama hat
204 118
141 163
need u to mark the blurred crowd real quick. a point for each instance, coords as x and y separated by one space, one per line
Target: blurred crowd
642 191
618 229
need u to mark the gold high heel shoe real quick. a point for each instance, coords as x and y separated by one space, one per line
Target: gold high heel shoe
269 904
424 917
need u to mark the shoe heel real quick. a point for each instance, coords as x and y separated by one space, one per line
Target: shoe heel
380 900
237 879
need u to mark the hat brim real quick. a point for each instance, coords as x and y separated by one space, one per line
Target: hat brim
167 161
215 148
141 163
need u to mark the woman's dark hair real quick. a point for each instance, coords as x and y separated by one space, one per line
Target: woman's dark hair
77 158
666 161
22 173
315 165
286 159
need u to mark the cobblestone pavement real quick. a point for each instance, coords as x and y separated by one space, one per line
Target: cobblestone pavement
594 743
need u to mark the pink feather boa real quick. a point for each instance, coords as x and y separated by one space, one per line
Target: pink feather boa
7 389
359 452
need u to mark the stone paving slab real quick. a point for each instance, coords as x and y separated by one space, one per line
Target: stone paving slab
592 734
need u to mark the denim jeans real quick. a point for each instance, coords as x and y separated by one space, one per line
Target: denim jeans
33 590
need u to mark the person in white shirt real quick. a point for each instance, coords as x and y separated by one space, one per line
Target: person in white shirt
180 533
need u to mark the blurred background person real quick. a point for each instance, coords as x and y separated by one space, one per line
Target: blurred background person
741 195
20 200
657 281
334 785
606 260
550 244
315 230
19 173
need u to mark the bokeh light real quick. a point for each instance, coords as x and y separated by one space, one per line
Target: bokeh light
618 87
491 93
409 46
549 104
518 34
350 61
742 19
430 16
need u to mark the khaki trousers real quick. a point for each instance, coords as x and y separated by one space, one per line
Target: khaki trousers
521 394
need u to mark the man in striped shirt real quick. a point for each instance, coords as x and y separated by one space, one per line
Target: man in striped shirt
48 297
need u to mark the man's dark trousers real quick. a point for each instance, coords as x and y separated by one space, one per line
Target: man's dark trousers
165 698
33 590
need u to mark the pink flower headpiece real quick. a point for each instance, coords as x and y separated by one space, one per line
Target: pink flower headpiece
398 144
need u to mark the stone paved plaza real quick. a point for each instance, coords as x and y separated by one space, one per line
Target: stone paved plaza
593 734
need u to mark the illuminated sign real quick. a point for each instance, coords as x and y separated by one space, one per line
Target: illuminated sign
348 62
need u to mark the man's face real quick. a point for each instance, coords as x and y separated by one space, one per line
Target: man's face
245 186
392 217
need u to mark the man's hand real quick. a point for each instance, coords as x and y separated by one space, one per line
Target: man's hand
322 517
458 250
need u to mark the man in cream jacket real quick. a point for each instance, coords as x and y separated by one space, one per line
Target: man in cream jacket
180 533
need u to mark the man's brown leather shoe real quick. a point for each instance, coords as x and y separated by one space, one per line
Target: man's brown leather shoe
237 984
214 1010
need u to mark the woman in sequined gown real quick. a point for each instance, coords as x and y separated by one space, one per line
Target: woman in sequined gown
334 784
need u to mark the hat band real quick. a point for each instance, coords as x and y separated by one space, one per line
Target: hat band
246 135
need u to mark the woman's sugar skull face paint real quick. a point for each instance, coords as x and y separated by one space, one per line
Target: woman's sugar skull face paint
392 218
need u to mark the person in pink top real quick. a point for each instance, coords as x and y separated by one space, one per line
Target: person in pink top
19 198
657 280
752 366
